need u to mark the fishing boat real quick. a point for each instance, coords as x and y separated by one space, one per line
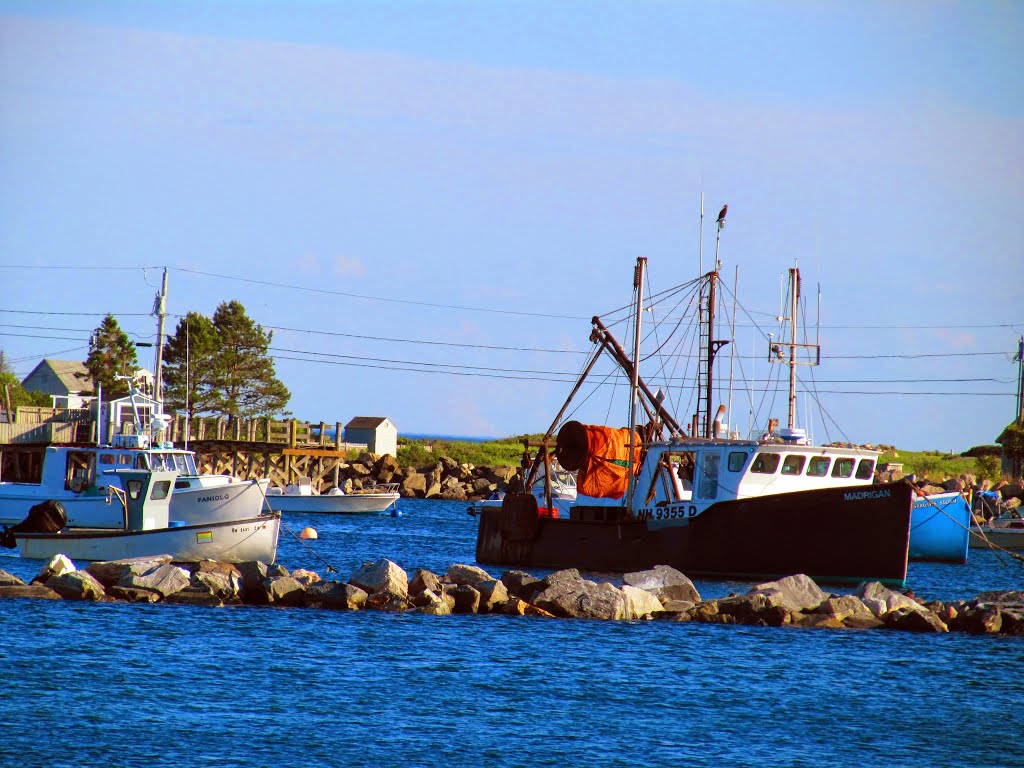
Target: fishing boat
302 497
77 477
713 505
143 500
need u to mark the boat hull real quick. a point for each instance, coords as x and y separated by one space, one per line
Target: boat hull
231 500
1008 535
347 504
834 535
232 542
939 528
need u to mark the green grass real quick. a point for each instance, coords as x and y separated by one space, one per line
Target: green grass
938 466
421 453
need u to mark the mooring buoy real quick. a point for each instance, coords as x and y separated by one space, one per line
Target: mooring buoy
307 533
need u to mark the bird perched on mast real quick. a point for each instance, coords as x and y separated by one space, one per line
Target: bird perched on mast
721 216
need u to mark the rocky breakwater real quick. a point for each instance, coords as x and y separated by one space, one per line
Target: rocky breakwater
445 479
661 593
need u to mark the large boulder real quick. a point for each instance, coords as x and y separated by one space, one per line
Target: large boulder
164 580
76 585
467 574
567 594
521 584
414 485
641 602
28 590
9 580
55 566
492 595
111 572
429 602
793 593
467 599
881 600
335 594
664 582
910 620
422 580
381 576
285 591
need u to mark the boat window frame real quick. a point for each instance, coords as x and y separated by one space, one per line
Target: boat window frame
161 490
732 465
775 467
789 460
816 461
710 469
861 474
79 470
841 462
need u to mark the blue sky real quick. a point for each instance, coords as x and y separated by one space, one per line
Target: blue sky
398 188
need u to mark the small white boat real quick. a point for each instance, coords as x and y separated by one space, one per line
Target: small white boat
563 494
301 497
146 529
1003 532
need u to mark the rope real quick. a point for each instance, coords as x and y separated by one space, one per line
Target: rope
330 568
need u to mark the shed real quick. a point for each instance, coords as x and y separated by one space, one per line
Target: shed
377 432
65 381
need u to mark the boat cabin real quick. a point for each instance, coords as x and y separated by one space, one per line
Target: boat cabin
702 473
81 469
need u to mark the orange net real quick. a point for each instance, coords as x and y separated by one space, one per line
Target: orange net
604 472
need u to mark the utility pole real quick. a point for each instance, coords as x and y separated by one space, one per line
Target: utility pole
1020 382
160 310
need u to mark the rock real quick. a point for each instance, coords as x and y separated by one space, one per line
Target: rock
1012 619
428 602
57 565
9 580
521 584
467 574
881 600
640 602
335 594
423 580
286 591
665 582
678 606
381 576
982 620
111 572
501 474
910 620
225 584
305 577
433 491
253 573
842 608
414 485
386 463
467 599
455 493
28 590
567 594
931 490
516 607
197 593
492 595
793 593
76 585
133 594
953 484
385 600
1002 597
759 608
164 580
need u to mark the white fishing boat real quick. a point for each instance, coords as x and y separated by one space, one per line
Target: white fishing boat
143 499
563 494
78 477
1001 532
302 497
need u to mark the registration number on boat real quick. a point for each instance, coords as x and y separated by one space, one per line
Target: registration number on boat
668 513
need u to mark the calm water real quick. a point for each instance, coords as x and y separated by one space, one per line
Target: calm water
135 685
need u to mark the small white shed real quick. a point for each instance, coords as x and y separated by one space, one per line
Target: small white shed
377 432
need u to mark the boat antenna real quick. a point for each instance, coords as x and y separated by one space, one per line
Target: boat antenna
634 385
732 333
160 310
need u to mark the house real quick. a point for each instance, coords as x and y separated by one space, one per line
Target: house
65 381
377 432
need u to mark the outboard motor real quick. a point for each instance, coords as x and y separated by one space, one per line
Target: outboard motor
45 517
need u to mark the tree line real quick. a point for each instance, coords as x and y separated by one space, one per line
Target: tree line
211 366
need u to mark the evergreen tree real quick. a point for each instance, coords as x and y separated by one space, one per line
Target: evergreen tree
111 354
243 383
13 393
188 366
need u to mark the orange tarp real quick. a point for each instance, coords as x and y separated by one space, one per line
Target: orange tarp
604 472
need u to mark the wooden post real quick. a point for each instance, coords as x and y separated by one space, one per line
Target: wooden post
337 461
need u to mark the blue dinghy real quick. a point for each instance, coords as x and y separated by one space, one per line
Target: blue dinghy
940 528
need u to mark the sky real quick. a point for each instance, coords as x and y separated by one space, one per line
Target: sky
427 202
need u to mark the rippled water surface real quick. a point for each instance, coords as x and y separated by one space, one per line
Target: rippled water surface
138 685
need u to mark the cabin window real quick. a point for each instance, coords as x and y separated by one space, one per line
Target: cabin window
865 468
793 465
736 461
818 466
707 488
124 459
81 469
106 458
766 463
671 481
134 488
843 467
141 461
161 489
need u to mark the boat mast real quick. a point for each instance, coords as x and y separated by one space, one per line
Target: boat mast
634 384
794 296
160 310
